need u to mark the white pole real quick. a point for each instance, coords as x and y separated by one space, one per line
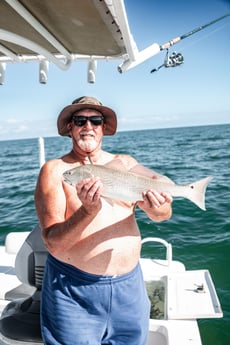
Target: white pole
41 151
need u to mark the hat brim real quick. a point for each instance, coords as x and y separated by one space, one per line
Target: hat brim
66 114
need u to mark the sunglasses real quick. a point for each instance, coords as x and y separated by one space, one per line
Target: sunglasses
81 120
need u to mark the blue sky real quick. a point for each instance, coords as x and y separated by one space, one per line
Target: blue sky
196 93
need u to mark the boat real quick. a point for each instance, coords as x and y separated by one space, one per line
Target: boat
178 296
42 32
63 33
31 31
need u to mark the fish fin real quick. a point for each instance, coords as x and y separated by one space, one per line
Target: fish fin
139 170
197 192
144 171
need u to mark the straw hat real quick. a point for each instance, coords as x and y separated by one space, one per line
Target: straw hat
86 102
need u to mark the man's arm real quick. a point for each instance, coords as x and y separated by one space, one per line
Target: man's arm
60 233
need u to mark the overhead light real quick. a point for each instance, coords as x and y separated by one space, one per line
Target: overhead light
92 67
43 71
2 72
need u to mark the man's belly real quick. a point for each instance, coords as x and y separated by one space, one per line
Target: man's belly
109 246
113 257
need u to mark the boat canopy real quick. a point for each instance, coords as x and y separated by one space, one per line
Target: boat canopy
61 32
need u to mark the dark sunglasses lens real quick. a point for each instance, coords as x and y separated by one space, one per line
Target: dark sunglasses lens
81 120
96 120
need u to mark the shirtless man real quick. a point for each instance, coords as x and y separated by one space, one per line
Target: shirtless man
93 290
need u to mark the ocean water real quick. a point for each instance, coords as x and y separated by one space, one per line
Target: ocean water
199 239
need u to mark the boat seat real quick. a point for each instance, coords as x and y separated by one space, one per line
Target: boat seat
20 319
30 260
8 278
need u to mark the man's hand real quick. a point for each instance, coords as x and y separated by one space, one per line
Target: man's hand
89 192
156 205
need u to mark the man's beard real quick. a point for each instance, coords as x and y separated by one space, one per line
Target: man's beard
87 145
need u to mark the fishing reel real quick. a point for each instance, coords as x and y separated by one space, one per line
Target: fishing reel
173 60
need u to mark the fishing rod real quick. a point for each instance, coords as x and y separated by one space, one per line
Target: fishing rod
175 59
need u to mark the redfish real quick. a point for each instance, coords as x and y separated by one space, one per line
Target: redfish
128 186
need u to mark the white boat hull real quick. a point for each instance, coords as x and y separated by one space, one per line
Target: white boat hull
169 324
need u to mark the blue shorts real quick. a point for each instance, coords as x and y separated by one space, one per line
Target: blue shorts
79 308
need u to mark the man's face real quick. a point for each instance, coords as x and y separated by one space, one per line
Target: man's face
87 133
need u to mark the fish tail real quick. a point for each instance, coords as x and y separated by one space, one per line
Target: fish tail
197 191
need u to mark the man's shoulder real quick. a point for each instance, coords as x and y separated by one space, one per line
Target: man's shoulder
54 166
56 162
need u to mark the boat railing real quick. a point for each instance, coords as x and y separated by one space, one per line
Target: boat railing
165 243
41 147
